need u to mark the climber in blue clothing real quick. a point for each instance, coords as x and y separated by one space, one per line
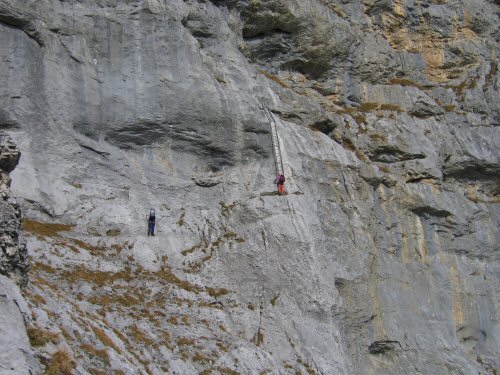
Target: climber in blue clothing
151 222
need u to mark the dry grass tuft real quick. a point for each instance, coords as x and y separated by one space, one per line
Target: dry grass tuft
461 87
391 107
101 335
167 275
101 354
210 305
140 336
121 336
377 137
384 169
274 78
192 249
61 363
165 335
45 229
230 234
113 232
40 337
358 113
370 107
310 370
216 292
367 107
99 278
223 347
227 371
406 82
118 248
39 266
94 250
348 145
226 208
76 185
198 357
181 341
97 371
471 194
38 299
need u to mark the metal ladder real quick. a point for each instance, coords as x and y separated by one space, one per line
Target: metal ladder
276 142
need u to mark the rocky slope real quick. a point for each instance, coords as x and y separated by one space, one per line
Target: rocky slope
382 259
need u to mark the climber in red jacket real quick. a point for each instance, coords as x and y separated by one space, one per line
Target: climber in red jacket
280 181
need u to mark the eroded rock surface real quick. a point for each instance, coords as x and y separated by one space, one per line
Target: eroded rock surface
13 258
16 356
382 259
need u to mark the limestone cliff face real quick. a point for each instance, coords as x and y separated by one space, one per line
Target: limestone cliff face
382 259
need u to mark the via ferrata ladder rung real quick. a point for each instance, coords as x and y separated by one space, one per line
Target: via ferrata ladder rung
276 142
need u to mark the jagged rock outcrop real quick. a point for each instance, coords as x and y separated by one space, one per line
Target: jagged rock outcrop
16 356
13 259
382 259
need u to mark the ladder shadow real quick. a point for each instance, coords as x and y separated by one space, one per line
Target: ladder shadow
273 193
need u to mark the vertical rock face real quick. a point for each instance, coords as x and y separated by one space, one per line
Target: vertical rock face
16 356
13 259
382 259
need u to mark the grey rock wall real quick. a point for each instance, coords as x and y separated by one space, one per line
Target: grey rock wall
382 259
17 356
13 259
